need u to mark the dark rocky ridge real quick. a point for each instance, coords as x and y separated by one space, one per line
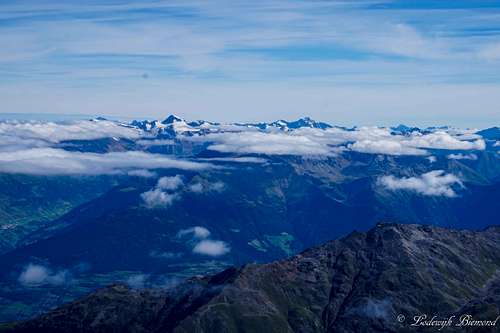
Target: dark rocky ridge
360 283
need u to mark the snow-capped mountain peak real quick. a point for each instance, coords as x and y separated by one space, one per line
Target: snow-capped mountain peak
173 125
172 119
307 122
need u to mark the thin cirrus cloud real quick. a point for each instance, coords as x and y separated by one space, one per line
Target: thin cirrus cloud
433 183
355 26
153 55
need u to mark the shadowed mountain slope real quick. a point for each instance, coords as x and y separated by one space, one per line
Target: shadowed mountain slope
360 283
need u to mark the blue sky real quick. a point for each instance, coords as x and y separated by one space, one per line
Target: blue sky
347 62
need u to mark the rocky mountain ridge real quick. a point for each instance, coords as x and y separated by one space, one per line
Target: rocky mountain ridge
376 281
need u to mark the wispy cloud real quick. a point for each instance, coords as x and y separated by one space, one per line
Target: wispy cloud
202 187
165 255
244 159
196 232
142 173
374 308
137 47
471 157
35 275
203 27
155 142
137 281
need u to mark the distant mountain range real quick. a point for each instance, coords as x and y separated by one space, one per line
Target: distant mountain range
173 125
377 281
87 203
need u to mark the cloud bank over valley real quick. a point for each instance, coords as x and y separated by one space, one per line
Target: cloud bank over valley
107 147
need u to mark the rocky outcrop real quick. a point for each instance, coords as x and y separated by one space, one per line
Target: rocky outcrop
376 281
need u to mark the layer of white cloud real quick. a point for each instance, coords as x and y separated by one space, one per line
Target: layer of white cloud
244 159
433 183
317 142
28 147
51 161
387 147
443 140
44 133
413 144
35 275
267 143
142 173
